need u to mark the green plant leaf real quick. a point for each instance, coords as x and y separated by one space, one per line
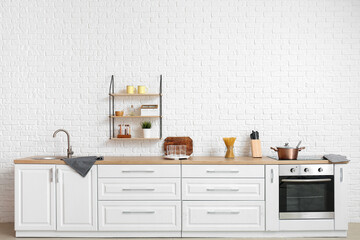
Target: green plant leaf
146 125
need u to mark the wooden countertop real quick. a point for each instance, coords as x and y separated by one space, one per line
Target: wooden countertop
203 160
107 161
247 161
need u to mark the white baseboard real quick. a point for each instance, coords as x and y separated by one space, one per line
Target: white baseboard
282 234
97 234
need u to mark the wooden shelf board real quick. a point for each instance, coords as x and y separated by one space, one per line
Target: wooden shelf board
135 116
135 94
120 139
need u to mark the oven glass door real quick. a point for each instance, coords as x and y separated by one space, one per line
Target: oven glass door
306 197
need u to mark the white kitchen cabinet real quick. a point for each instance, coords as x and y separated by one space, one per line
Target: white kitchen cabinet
223 189
223 216
139 216
34 197
76 199
341 196
228 198
146 201
272 197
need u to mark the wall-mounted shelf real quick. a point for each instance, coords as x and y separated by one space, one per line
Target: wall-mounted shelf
135 116
112 115
127 139
135 95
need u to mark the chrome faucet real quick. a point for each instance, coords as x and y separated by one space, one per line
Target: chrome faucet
69 150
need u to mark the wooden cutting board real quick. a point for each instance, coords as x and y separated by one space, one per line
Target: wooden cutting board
179 141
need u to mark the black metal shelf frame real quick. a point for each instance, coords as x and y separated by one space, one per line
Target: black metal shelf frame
112 108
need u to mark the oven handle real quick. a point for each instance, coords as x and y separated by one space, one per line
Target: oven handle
306 180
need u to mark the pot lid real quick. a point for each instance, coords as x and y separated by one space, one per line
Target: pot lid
286 145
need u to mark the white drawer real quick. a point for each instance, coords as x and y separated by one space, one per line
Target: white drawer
139 216
223 189
223 216
245 171
307 225
139 188
136 171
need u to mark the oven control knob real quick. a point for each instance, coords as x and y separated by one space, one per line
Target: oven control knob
320 169
292 170
306 170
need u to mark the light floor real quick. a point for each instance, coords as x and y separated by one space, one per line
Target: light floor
7 233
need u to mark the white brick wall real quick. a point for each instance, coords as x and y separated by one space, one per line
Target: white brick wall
290 69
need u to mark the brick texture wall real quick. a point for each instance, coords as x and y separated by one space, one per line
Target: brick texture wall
289 69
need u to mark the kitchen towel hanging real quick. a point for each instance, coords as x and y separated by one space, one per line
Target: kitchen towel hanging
336 158
82 165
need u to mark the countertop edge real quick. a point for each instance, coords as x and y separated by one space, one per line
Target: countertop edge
200 160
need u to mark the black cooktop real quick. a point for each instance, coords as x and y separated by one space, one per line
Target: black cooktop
302 158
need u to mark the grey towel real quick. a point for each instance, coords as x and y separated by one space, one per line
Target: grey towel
336 158
82 165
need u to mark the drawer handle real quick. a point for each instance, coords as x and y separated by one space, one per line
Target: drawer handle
57 175
138 212
341 175
51 175
138 189
137 171
222 189
223 212
224 171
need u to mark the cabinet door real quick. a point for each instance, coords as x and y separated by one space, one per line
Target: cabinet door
272 197
341 179
34 197
76 199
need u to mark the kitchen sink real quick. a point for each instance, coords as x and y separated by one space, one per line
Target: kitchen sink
47 157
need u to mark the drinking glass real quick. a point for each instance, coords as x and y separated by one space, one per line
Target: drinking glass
182 151
171 150
176 151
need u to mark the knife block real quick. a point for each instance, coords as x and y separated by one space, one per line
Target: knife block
256 148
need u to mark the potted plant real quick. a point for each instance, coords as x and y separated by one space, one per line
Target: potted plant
146 126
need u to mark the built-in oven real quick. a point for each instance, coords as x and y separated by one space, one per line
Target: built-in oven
306 192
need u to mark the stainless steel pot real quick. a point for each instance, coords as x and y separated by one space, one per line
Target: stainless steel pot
287 153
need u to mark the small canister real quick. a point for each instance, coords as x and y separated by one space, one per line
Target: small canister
130 89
